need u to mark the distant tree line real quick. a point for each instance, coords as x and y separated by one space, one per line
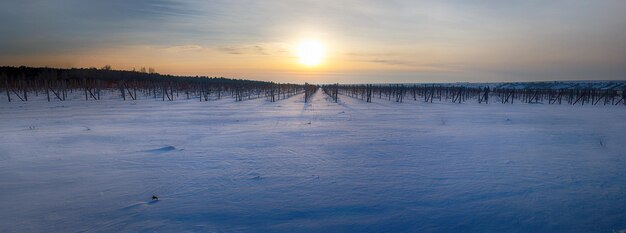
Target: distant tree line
21 82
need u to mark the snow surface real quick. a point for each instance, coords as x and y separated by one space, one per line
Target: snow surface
288 166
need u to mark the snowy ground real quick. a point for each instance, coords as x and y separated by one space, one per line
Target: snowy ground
318 167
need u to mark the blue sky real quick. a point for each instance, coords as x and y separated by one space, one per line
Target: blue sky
366 41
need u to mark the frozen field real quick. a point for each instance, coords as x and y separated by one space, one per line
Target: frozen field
287 166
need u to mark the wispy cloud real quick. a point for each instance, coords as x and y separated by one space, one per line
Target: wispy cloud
245 49
388 62
184 48
253 49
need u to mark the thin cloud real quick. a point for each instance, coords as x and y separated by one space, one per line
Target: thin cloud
253 49
184 48
388 62
240 50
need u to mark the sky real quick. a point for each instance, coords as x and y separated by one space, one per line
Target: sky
366 41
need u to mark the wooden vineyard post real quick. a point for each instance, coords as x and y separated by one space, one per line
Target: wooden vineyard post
7 90
25 90
306 93
47 86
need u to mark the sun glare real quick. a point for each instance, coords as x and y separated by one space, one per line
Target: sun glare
310 52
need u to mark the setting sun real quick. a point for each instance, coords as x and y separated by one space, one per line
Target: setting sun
310 52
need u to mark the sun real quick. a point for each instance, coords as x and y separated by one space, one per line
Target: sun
310 52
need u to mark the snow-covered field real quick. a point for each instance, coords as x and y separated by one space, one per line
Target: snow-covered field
226 166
